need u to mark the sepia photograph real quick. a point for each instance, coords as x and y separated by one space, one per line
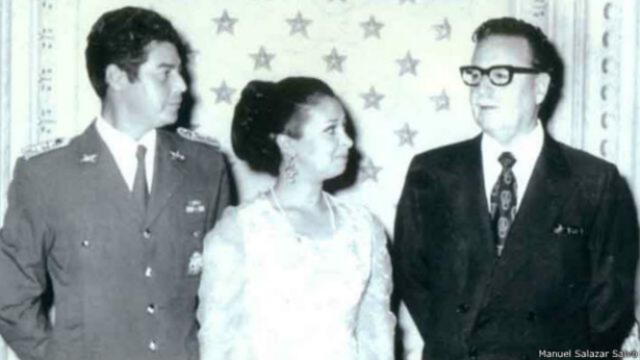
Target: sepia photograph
319 179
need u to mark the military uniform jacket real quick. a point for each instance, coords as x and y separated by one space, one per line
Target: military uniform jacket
124 282
564 280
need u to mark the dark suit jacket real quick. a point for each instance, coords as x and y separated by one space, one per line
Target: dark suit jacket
72 222
565 278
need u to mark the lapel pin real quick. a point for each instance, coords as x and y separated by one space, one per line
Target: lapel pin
89 158
176 155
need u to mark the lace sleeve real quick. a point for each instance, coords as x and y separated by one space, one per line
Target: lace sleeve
221 305
376 322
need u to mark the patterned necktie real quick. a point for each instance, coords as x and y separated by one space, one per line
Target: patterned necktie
140 190
504 201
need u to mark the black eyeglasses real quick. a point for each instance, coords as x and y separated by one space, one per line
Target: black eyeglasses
499 75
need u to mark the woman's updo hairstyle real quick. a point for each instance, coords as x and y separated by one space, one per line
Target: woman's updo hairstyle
266 109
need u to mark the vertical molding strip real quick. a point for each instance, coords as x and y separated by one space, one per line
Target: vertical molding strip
5 104
578 93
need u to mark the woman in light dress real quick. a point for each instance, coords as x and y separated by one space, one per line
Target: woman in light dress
295 273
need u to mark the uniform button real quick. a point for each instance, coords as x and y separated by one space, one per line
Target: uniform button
196 233
146 234
148 272
151 309
153 346
86 243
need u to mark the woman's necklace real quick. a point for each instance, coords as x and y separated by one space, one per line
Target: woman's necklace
332 216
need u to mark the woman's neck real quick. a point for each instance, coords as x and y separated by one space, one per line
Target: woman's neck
299 194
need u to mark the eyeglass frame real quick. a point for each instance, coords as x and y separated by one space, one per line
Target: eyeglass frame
511 70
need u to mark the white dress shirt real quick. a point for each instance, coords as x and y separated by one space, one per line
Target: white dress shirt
123 148
525 150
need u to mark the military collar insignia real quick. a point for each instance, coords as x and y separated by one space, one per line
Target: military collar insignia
89 158
177 155
44 147
194 136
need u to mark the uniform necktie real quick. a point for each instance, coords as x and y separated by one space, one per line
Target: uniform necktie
504 201
140 190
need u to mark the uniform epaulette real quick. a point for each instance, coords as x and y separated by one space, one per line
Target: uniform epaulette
43 147
194 136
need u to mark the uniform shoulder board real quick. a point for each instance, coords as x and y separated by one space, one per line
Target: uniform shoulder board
194 136
44 147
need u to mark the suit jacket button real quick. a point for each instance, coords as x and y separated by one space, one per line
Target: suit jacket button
473 353
153 346
146 234
531 316
86 243
463 308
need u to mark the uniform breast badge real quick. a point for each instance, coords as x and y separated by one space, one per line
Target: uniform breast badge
194 206
195 264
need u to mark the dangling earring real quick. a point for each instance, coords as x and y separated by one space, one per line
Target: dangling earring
290 171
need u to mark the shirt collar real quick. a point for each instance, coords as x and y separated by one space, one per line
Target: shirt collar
525 148
113 136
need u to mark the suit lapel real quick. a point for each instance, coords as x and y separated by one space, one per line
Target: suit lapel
101 171
473 203
472 217
167 175
549 187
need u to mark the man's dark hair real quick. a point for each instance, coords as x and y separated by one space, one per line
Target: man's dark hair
545 56
120 37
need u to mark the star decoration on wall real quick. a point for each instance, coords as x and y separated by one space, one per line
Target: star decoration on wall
371 27
408 64
225 23
334 60
223 93
262 59
406 135
299 25
369 170
441 101
443 30
372 98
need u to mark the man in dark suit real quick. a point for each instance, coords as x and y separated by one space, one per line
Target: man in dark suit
512 245
113 220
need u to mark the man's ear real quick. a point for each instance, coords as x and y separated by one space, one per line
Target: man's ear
543 80
115 77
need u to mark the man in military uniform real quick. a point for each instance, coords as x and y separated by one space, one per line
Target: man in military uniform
112 221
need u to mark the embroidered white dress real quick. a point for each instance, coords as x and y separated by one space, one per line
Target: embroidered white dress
267 293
